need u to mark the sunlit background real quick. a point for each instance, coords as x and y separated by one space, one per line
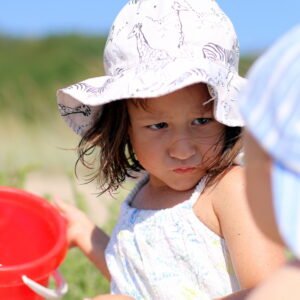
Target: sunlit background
47 45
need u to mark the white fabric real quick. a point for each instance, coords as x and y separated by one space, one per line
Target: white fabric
168 254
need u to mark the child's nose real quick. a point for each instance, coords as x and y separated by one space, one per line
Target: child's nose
182 149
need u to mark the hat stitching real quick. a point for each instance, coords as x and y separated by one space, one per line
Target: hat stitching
146 52
81 109
216 53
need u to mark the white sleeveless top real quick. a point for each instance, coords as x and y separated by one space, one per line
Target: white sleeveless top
168 254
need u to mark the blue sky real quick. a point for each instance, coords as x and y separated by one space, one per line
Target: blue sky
257 22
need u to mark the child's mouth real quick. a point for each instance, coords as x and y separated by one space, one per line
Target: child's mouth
184 170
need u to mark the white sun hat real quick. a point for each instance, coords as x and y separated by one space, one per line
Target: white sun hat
156 47
270 105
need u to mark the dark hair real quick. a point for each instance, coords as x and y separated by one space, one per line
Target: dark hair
226 158
115 160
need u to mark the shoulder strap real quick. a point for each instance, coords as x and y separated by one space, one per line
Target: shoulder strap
198 190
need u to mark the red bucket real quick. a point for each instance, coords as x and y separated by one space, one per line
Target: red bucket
32 246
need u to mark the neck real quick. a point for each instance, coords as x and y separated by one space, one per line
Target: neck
155 197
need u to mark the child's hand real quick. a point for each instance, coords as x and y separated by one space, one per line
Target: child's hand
83 233
78 222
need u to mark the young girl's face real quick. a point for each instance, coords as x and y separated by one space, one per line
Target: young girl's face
175 136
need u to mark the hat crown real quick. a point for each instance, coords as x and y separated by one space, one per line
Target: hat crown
156 47
149 32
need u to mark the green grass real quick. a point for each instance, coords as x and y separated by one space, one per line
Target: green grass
32 70
84 280
16 178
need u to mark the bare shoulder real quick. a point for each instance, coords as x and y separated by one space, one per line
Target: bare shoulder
229 201
234 176
217 202
229 189
253 256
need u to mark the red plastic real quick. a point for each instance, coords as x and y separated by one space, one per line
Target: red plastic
32 242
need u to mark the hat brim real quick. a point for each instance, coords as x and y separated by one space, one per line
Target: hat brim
286 199
81 102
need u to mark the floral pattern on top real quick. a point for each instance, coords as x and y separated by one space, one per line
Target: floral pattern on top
168 254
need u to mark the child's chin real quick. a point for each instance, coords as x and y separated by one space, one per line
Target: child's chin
184 187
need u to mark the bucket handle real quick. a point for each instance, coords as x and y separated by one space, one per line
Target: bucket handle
62 286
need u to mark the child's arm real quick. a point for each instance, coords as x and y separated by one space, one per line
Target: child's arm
283 284
254 256
84 234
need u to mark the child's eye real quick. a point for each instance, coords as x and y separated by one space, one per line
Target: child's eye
201 121
158 126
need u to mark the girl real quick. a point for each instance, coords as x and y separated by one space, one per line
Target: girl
167 107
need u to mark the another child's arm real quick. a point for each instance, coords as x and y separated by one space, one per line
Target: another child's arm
283 284
254 257
84 234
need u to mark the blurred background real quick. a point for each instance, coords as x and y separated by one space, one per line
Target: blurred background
47 45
